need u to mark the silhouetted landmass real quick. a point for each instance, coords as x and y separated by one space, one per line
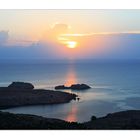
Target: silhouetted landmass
124 120
22 121
120 120
21 94
74 87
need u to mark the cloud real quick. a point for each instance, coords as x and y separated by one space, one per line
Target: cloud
3 37
110 46
35 50
124 45
56 30
60 28
100 33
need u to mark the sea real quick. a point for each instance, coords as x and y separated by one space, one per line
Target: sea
115 86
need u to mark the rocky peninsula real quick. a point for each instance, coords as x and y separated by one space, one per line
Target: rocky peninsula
22 94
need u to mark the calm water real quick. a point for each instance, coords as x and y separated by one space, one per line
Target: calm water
115 87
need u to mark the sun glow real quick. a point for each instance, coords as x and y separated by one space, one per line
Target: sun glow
71 44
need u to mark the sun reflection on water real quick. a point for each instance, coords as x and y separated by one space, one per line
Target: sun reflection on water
72 115
71 78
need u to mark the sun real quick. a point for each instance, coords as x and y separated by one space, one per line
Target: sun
71 44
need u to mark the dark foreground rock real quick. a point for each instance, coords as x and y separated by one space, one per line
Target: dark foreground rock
74 87
13 97
125 120
120 120
22 121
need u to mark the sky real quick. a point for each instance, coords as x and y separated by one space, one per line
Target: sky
70 34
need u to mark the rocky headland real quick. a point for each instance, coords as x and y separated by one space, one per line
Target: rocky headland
21 94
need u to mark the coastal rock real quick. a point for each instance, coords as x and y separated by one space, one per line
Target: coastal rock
93 118
62 87
80 86
21 94
21 85
74 87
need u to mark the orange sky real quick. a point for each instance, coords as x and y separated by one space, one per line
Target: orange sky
69 33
